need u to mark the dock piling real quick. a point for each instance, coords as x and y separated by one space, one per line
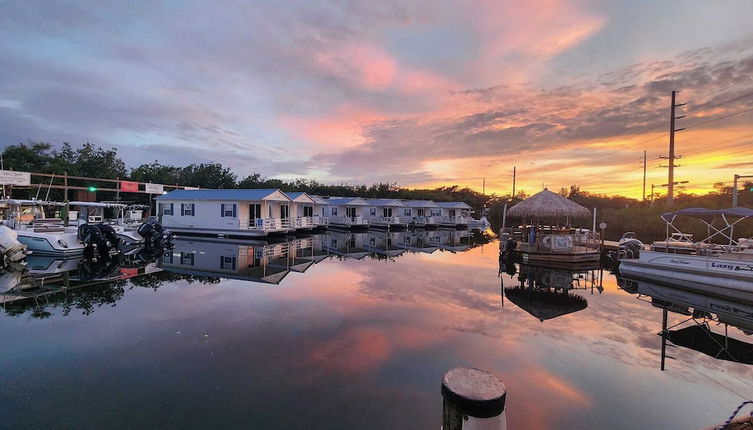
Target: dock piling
473 399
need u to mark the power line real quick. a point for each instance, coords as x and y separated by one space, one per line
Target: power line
719 118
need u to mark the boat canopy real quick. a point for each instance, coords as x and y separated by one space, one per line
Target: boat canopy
21 202
706 214
98 204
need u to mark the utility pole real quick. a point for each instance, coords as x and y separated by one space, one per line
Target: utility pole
513 182
671 157
734 188
483 187
644 176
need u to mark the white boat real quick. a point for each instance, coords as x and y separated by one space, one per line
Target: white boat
724 267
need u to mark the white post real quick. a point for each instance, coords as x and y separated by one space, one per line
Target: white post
504 218
594 225
734 191
473 399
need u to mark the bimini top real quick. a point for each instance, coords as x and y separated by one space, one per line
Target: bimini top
421 203
237 194
454 205
704 213
300 197
98 204
394 203
348 201
22 202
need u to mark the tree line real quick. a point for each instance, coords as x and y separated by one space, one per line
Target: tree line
620 213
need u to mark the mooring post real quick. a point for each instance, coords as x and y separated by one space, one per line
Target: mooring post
473 400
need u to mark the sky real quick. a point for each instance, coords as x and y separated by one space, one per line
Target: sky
421 93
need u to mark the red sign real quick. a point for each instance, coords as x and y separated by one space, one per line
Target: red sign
131 187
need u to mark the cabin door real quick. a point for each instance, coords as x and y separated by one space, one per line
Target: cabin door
387 212
350 212
254 211
452 212
420 212
284 211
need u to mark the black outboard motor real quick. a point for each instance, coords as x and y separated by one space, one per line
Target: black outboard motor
109 233
155 235
91 236
630 249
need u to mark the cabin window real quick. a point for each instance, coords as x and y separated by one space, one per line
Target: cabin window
407 212
187 209
334 211
308 211
322 211
187 258
167 208
372 211
284 211
436 212
228 262
228 210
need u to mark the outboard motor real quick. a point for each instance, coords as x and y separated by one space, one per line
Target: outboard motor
11 249
91 236
109 234
630 249
155 234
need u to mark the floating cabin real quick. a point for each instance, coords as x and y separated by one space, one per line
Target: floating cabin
302 211
239 213
387 213
546 235
425 213
320 210
347 212
454 214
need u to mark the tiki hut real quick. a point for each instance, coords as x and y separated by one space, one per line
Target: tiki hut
545 304
546 205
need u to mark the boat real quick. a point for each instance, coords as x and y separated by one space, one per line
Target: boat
722 268
547 236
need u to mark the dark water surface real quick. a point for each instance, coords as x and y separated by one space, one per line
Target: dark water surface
331 342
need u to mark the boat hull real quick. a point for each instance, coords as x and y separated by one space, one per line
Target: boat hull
718 275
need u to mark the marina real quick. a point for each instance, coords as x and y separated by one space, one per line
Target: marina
354 328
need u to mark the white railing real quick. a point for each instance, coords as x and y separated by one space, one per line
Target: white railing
304 222
268 224
345 220
454 220
320 220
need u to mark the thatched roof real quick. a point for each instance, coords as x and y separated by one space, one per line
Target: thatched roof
546 204
544 304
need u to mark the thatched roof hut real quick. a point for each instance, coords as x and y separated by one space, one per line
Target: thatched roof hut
545 304
548 205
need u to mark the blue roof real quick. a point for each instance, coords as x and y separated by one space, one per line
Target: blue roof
294 195
385 202
454 205
239 194
348 201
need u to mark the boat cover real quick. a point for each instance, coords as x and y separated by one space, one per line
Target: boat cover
707 214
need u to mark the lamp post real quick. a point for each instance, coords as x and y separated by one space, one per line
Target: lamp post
734 188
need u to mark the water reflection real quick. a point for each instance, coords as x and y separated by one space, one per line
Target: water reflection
545 292
713 325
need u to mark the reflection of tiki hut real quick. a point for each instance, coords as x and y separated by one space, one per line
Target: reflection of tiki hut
700 338
545 304
546 235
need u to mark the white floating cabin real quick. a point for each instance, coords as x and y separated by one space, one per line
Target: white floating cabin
347 212
387 213
302 211
455 214
320 209
425 213
238 212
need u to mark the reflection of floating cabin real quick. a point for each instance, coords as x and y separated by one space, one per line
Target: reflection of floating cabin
545 292
450 240
384 243
416 241
242 213
347 212
387 213
268 263
346 244
546 236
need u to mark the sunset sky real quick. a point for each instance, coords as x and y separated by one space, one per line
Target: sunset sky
419 93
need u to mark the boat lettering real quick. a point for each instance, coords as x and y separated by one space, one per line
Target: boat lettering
728 266
679 261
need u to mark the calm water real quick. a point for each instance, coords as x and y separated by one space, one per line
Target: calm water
347 332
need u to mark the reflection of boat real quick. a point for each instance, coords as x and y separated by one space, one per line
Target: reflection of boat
698 310
545 292
725 269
